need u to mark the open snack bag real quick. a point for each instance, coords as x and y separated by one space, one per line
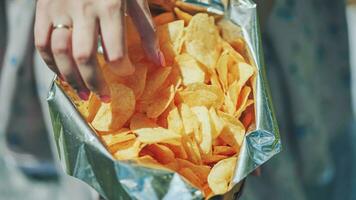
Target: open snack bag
193 129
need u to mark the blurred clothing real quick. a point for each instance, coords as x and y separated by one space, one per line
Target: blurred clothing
307 57
24 115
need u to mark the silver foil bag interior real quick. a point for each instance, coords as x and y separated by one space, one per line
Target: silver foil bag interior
83 155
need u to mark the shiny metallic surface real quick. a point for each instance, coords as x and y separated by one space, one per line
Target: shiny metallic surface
84 157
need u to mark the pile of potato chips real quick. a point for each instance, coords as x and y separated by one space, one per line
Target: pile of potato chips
190 116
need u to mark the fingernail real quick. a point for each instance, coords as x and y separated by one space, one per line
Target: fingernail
105 98
162 60
84 95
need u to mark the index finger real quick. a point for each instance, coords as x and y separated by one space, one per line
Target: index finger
141 17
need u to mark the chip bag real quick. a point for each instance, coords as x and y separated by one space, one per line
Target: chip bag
193 129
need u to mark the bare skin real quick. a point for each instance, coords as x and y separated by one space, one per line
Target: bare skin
66 35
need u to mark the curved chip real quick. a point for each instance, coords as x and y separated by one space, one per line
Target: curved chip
157 135
202 114
190 69
221 174
202 40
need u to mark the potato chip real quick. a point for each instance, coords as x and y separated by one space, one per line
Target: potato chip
156 80
202 95
163 18
192 149
233 127
190 69
89 108
160 153
202 114
248 117
129 150
212 159
186 17
175 122
162 119
245 72
202 171
189 119
157 135
171 39
137 81
202 40
178 151
229 106
140 120
242 101
217 123
191 177
117 137
224 150
112 116
157 105
230 32
221 174
222 68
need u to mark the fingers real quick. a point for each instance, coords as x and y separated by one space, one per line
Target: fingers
85 38
141 16
112 27
62 53
42 33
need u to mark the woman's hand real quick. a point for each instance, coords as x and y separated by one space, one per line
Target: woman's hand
66 35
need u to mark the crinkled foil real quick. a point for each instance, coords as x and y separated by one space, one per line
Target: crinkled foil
83 155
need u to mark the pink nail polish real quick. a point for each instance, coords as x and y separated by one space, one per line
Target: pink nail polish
84 95
162 60
105 98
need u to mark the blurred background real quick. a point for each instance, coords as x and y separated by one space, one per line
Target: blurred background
310 52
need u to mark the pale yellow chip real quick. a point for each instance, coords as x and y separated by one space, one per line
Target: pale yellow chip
233 127
202 40
140 120
89 108
217 123
202 114
192 149
175 122
245 72
222 68
221 175
128 151
171 39
190 120
117 137
243 101
186 17
190 69
202 95
157 135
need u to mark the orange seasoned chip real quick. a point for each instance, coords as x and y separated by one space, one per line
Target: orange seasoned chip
140 120
190 69
178 151
160 102
221 175
157 135
159 152
155 81
224 150
137 81
202 171
212 159
202 40
191 177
